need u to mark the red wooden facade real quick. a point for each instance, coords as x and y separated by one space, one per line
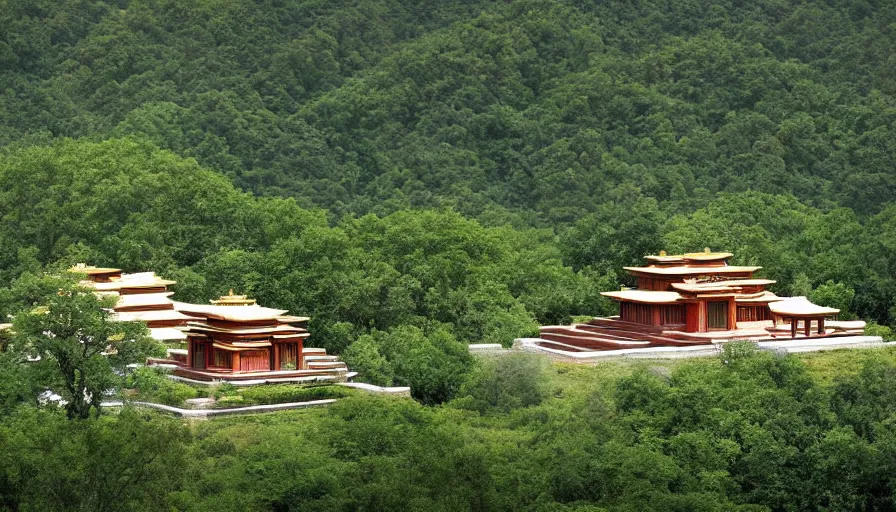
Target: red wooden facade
236 336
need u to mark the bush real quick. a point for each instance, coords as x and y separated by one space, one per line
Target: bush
875 329
154 386
285 393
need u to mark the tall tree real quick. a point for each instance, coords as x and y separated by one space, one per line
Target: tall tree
81 350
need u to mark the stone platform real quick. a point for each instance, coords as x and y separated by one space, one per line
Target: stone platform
615 334
565 352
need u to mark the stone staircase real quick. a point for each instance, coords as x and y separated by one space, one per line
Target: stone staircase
318 359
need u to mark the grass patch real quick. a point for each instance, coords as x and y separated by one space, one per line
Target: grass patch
153 385
825 366
281 394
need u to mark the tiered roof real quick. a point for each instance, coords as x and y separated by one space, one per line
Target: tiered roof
696 275
241 327
141 296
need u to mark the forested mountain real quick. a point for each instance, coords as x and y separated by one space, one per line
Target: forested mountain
420 175
763 128
542 108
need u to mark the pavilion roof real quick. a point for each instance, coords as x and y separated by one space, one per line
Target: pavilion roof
706 256
151 316
230 313
691 270
272 329
91 270
167 334
144 300
799 306
292 319
732 285
665 258
137 280
759 298
241 346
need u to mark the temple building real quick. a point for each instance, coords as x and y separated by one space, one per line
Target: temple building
141 296
699 298
230 339
234 338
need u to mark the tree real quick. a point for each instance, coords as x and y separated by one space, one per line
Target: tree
835 295
133 461
82 350
508 382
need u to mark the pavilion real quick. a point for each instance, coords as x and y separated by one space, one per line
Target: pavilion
233 339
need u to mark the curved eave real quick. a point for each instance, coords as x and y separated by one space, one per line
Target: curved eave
800 307
762 298
689 271
643 296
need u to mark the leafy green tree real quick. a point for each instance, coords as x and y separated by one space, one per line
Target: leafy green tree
363 356
82 350
835 295
131 461
433 363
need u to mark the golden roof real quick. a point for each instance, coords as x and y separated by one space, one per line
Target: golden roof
233 300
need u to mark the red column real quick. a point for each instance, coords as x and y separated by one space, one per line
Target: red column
276 348
732 314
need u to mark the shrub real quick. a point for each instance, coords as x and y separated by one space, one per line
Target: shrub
154 386
285 393
875 329
505 383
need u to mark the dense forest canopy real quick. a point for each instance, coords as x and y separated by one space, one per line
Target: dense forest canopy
576 135
747 432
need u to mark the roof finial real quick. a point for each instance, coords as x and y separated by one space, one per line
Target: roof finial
662 253
232 299
706 250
